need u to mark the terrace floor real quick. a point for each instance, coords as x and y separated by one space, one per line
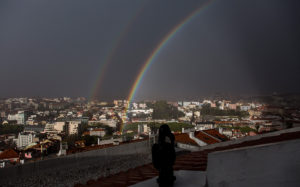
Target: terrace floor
184 178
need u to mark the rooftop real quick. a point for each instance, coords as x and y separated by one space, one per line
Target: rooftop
216 134
9 153
184 138
193 161
206 138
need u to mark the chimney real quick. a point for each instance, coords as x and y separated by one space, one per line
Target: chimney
198 141
220 130
191 135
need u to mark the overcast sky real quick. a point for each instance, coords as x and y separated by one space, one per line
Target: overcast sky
57 48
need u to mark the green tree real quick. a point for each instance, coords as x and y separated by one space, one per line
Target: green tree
207 110
71 139
89 140
88 114
163 110
11 129
82 128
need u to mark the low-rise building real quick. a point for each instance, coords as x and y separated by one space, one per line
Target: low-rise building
8 155
225 131
194 140
97 132
72 127
19 117
49 128
245 107
143 129
59 126
34 128
205 125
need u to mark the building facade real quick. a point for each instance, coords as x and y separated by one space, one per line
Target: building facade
24 139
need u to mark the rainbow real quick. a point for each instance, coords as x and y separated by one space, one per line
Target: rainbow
156 52
103 68
115 45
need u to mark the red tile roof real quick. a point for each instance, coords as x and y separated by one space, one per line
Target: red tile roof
191 161
216 134
86 133
205 138
184 138
9 153
223 122
89 148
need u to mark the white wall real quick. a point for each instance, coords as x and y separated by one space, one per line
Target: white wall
270 165
187 147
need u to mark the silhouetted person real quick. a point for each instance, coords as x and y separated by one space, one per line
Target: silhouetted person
163 156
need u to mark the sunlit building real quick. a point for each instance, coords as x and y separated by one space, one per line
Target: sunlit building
24 139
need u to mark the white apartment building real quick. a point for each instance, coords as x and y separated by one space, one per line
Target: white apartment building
73 127
143 129
245 107
19 117
139 111
24 140
49 128
59 126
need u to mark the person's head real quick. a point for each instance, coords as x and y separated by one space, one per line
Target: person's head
164 131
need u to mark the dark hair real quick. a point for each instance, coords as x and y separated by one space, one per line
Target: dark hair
165 131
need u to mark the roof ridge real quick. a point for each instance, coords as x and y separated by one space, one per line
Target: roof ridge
211 136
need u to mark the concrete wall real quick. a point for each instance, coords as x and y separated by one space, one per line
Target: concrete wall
248 138
77 168
269 165
110 141
187 146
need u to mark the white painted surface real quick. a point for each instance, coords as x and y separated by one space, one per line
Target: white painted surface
183 178
198 141
269 165
248 138
187 146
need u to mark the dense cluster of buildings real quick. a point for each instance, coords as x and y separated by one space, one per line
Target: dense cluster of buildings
48 122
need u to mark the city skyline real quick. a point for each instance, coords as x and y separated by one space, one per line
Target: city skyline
97 49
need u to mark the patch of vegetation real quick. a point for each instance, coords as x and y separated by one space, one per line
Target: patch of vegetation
242 129
11 129
89 140
207 110
163 110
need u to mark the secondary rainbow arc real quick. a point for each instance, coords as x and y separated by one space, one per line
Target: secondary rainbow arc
115 45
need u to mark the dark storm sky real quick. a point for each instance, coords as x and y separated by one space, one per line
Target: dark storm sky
56 48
